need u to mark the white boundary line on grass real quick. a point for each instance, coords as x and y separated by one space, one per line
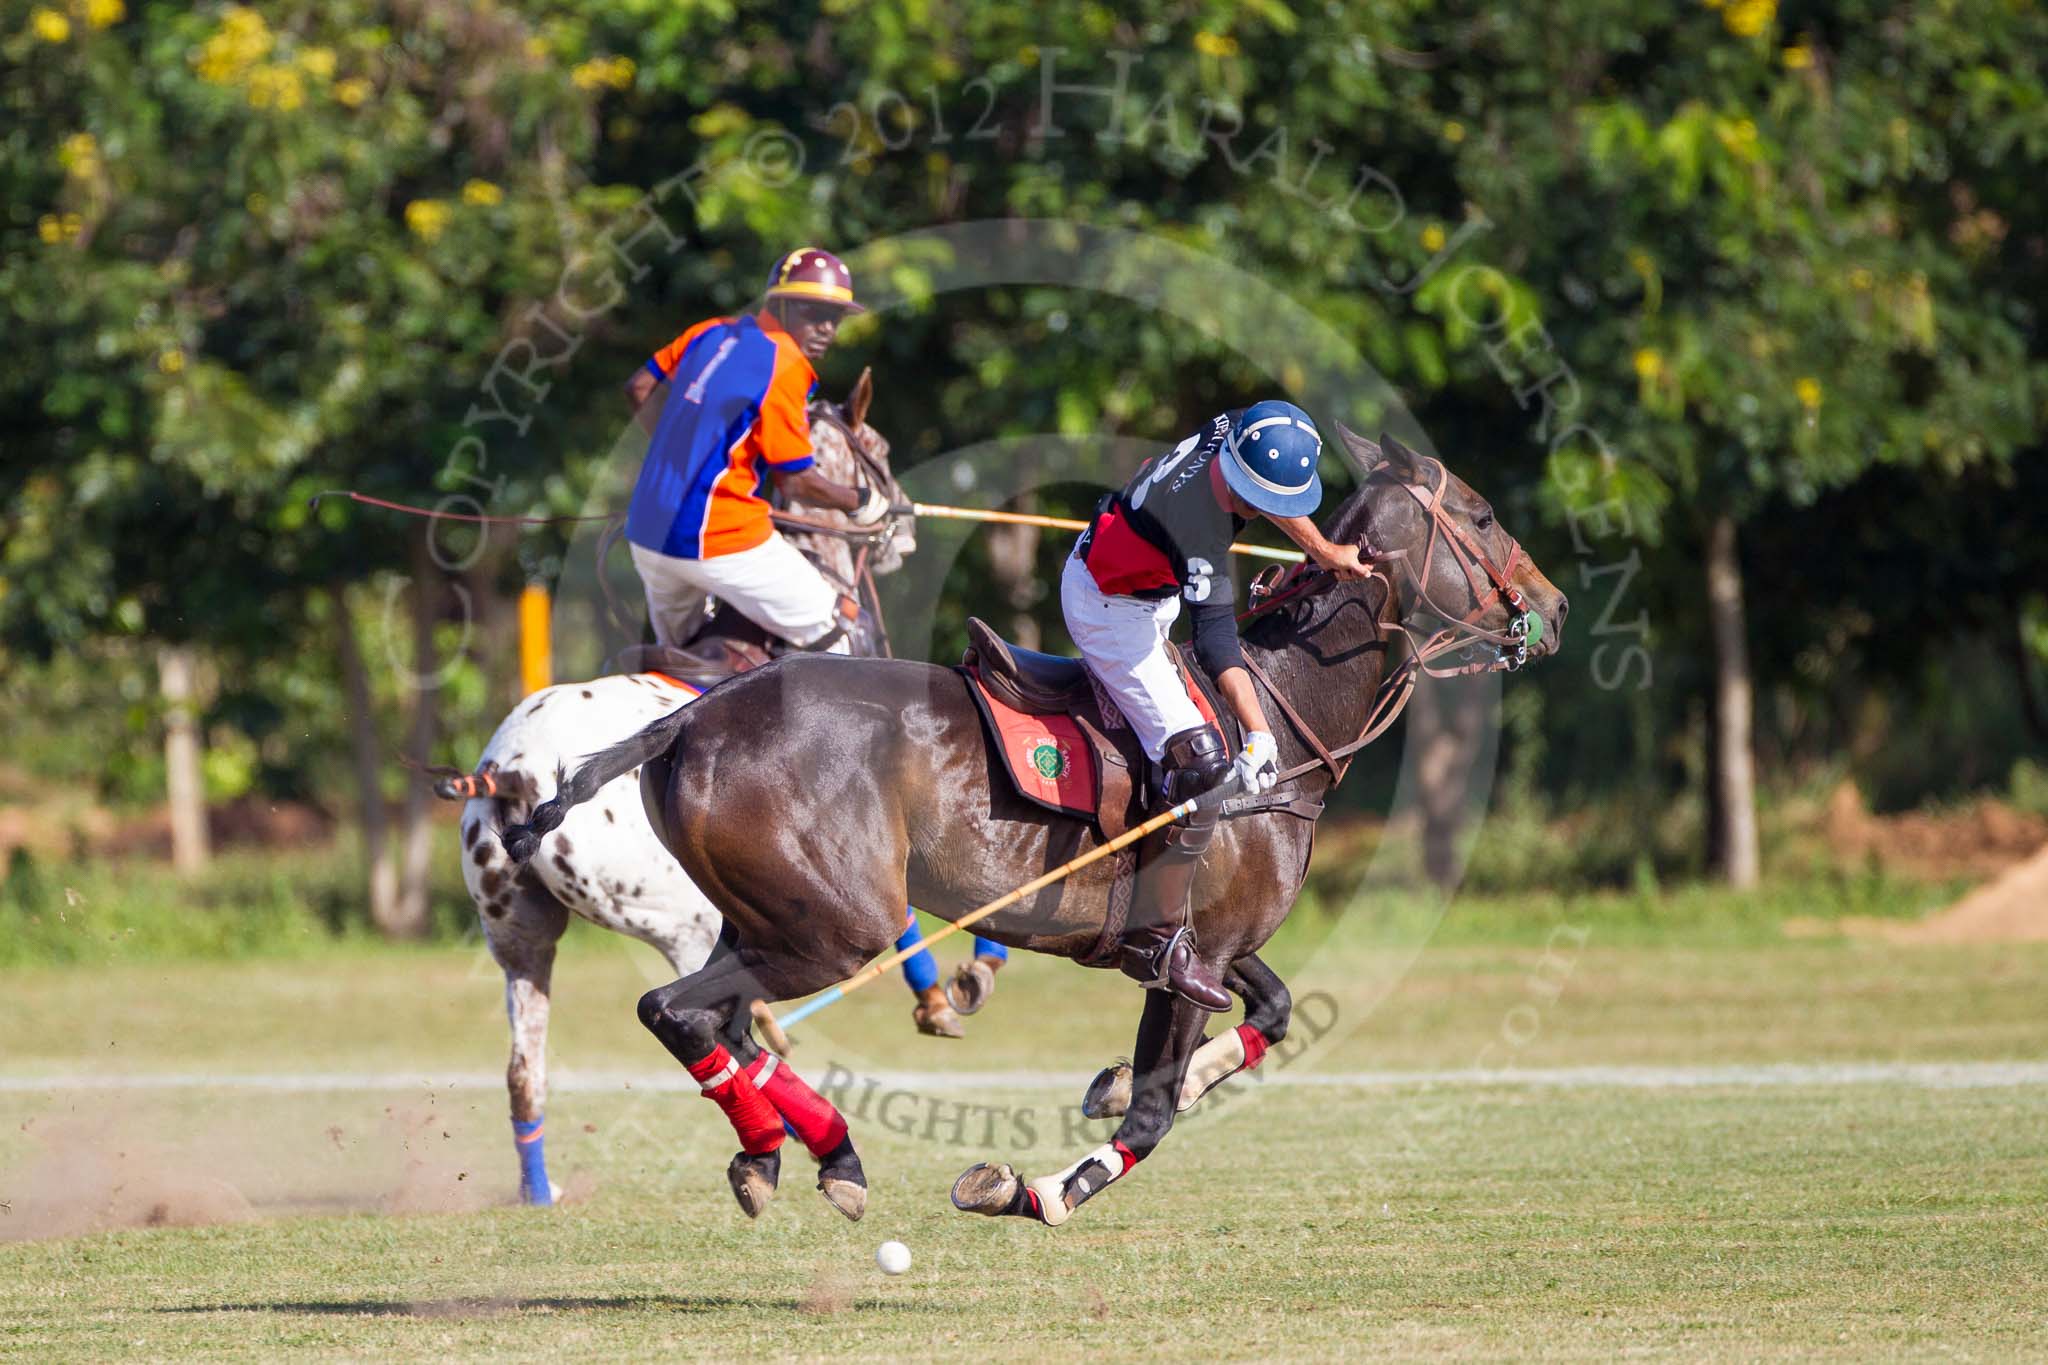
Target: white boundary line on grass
1914 1075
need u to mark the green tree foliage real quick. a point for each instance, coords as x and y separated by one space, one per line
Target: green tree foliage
1630 270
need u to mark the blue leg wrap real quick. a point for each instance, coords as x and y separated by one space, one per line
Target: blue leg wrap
533 1163
984 948
920 973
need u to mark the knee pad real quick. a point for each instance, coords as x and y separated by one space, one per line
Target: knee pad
1196 762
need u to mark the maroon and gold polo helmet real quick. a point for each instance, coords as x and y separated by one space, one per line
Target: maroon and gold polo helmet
811 272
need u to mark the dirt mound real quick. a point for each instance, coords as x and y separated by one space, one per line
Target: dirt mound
1980 839
2012 908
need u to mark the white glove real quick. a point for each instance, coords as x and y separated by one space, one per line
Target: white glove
1258 767
872 509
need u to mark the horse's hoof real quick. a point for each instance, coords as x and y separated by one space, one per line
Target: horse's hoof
938 1021
974 981
983 1188
753 1180
848 1197
842 1181
1109 1094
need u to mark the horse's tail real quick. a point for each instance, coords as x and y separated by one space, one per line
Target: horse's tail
523 841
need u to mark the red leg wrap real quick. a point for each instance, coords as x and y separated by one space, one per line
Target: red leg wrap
732 1090
1254 1046
812 1117
1125 1153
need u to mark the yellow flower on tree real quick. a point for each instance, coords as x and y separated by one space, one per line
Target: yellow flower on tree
352 92
50 26
1433 238
1797 57
242 40
170 361
1649 363
1215 44
481 192
1454 132
616 72
276 87
426 218
79 155
317 62
1747 18
105 13
50 228
1808 390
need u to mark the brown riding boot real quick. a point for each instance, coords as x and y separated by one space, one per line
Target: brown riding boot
1160 951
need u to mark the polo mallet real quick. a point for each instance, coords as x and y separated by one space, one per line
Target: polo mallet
927 509
1214 796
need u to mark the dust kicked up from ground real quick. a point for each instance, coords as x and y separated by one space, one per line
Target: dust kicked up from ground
83 1163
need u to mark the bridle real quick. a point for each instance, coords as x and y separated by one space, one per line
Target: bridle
1460 634
1511 646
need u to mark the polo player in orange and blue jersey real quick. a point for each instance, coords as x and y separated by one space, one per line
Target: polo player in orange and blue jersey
737 414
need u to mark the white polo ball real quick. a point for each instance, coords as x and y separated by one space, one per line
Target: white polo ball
893 1257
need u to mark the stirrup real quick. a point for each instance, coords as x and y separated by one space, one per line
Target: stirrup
1161 956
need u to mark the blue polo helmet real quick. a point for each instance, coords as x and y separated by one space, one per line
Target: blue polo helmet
1272 459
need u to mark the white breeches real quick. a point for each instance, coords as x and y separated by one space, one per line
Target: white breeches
772 585
1124 641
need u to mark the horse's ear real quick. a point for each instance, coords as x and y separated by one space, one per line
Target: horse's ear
862 395
1365 451
1405 463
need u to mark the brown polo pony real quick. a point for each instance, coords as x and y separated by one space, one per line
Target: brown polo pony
813 798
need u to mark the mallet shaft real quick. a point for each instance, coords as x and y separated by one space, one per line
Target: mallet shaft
926 509
973 917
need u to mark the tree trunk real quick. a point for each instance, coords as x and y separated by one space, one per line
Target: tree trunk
185 778
416 863
1731 775
1443 718
382 870
2019 651
1013 563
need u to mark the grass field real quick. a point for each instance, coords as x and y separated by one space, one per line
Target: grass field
1504 1204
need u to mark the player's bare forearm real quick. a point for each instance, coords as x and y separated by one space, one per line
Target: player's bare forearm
1341 560
1236 686
814 488
639 388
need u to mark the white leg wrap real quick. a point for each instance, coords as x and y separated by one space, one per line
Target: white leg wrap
1052 1189
1215 1060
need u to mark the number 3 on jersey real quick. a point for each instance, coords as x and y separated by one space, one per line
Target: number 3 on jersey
1200 571
1166 466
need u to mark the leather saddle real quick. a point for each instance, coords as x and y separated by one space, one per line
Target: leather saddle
1062 741
1026 680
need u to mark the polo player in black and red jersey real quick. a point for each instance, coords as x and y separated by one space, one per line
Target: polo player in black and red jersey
1164 540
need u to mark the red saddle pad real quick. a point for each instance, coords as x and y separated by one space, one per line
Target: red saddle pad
1049 759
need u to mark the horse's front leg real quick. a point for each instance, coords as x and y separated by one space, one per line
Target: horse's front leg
1267 1009
1167 1035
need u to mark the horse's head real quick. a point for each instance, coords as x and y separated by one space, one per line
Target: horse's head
849 451
1455 560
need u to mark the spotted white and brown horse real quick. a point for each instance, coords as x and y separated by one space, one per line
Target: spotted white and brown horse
605 862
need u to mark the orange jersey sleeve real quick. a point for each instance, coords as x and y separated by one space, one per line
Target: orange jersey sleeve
783 436
663 361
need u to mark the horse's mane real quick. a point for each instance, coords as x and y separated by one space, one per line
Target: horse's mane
1290 620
